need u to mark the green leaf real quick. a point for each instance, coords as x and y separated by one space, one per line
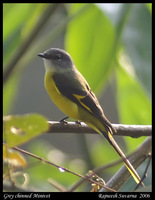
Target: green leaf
90 40
13 25
11 13
137 41
19 20
103 152
19 129
133 104
10 90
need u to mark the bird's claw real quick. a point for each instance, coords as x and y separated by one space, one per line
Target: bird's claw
63 121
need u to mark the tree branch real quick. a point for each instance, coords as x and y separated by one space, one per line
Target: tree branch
12 64
141 154
134 131
146 146
62 169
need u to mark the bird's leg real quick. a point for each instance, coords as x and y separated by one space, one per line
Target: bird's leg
62 120
78 122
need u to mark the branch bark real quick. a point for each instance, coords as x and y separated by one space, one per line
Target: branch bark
134 131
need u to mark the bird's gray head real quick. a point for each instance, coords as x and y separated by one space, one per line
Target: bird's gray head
56 59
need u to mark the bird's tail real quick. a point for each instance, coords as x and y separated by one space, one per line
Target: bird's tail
127 163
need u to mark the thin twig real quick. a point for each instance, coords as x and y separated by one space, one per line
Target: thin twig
145 173
88 178
141 154
134 131
96 170
99 169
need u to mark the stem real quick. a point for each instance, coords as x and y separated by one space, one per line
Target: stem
118 180
133 131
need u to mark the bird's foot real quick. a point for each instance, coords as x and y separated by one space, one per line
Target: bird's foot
63 120
78 122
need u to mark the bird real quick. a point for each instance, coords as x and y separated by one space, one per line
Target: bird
72 94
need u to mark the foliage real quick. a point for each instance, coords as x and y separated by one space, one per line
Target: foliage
110 45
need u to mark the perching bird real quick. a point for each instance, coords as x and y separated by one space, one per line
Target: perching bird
69 90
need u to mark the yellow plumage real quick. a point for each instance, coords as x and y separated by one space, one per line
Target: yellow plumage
71 93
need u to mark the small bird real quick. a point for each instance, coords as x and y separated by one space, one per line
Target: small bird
69 90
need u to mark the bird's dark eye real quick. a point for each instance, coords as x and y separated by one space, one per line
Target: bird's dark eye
58 57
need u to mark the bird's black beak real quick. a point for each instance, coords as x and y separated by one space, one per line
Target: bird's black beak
41 55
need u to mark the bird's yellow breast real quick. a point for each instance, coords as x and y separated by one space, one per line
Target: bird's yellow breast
68 107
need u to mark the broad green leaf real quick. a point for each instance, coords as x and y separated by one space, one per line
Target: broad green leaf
102 153
18 21
137 41
90 41
11 13
19 129
13 25
9 94
133 104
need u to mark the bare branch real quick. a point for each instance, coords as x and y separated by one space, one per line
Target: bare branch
144 148
134 131
88 178
118 180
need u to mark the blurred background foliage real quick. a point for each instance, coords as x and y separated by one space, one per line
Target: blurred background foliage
111 46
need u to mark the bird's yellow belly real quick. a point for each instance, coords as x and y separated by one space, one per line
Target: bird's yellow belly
68 107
